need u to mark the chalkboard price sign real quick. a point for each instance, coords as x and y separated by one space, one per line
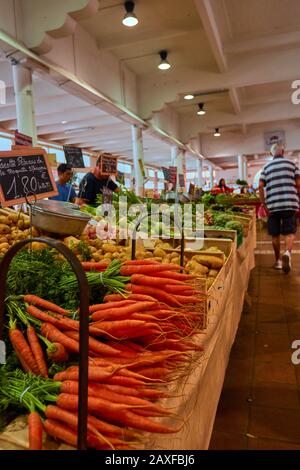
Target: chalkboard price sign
109 165
24 173
74 157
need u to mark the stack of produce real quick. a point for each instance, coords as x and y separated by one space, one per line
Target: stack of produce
14 227
138 343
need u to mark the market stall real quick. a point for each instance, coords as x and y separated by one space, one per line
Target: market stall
206 326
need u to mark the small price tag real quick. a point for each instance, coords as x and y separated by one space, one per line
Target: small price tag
2 352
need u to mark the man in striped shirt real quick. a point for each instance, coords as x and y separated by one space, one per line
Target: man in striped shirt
279 190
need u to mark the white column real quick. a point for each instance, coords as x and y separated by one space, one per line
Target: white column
245 165
211 176
177 158
138 159
156 180
298 163
199 172
241 166
23 89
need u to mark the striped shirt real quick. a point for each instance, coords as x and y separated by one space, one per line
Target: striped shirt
279 177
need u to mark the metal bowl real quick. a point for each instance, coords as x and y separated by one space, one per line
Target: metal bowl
56 217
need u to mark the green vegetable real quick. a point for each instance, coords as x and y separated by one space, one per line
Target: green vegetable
221 219
234 225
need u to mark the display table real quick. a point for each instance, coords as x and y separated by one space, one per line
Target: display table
197 394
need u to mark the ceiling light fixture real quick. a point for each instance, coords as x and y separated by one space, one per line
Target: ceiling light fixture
79 129
164 64
189 97
217 133
201 111
129 19
64 122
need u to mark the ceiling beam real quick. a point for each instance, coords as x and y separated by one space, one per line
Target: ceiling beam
234 98
263 43
210 26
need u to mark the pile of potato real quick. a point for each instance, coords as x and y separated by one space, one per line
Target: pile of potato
207 264
14 226
100 250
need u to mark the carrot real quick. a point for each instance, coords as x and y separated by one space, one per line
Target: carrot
58 354
124 348
178 288
141 262
187 299
110 429
37 350
53 334
151 280
154 372
59 414
148 269
55 319
136 392
113 297
176 276
159 294
71 387
108 305
20 345
57 430
35 300
142 297
95 266
122 311
95 345
35 429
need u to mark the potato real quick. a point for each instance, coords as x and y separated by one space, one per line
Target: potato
20 223
98 243
197 268
175 260
4 228
4 246
166 246
159 252
93 249
213 273
209 282
109 248
4 220
212 262
13 217
107 256
158 242
3 240
174 255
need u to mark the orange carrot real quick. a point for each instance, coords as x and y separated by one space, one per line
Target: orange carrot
148 269
58 354
136 392
121 311
55 319
113 297
95 266
142 298
35 429
58 430
37 350
141 262
22 348
53 334
98 307
159 294
176 276
35 300
144 280
95 345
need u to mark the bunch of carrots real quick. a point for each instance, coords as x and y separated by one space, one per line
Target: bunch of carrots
138 342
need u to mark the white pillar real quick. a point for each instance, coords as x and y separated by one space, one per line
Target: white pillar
211 176
23 89
245 165
138 159
199 172
177 158
241 166
298 163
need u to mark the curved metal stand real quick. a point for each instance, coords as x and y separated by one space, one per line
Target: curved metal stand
133 245
83 322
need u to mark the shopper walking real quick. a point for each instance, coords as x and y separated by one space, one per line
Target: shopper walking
279 190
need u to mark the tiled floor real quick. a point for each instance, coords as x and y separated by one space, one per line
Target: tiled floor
260 403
